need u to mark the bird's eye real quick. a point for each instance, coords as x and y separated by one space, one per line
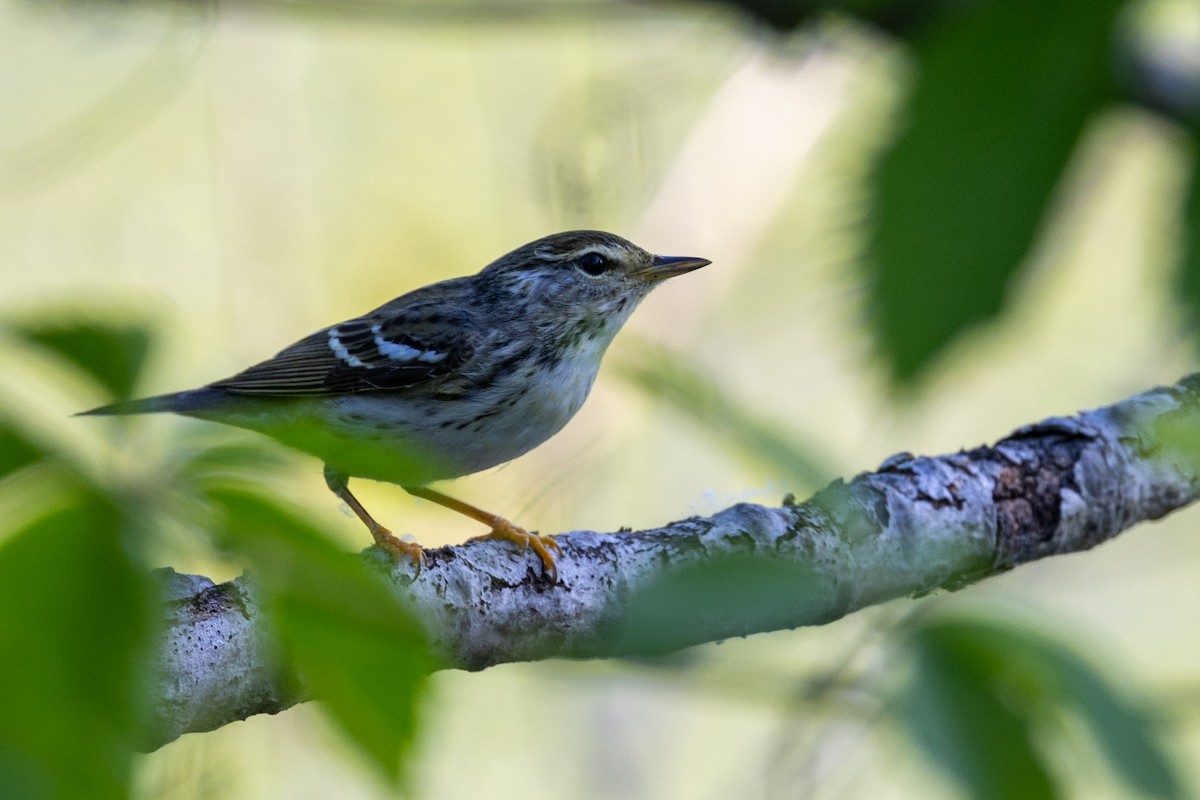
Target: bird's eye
594 264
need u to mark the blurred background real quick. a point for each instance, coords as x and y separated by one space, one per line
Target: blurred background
230 177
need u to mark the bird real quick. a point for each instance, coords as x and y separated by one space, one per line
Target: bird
447 380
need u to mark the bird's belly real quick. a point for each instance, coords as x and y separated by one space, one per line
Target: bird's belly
432 439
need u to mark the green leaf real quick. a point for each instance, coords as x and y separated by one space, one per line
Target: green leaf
75 632
1176 434
958 710
718 598
1189 277
113 355
1125 731
353 642
17 451
1003 91
669 377
214 457
985 690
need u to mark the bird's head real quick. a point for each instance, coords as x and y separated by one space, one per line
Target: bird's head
581 275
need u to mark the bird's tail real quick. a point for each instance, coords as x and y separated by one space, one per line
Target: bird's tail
188 402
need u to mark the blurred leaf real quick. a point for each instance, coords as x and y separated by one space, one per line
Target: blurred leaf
787 15
1125 732
956 710
1175 434
113 355
68 142
1189 279
250 458
16 450
716 599
75 630
1003 91
669 377
985 690
355 645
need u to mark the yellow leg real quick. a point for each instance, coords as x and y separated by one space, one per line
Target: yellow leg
382 536
501 528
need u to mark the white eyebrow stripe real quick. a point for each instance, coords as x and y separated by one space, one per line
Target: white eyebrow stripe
603 249
599 247
339 350
402 352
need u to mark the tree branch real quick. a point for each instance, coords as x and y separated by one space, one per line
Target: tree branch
914 525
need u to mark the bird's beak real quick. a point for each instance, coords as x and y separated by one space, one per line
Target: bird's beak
663 267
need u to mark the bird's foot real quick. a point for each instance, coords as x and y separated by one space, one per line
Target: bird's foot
541 545
388 541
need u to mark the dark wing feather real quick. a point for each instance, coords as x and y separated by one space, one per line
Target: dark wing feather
378 352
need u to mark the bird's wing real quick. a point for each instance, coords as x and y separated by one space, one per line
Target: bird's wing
381 351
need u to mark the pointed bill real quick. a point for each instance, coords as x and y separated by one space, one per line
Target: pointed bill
663 267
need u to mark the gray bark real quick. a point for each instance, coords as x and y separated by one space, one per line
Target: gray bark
914 525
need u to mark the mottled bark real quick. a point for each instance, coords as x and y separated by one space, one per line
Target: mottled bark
914 525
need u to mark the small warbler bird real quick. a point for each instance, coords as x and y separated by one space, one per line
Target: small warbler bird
450 379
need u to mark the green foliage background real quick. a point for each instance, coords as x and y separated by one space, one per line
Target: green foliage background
930 223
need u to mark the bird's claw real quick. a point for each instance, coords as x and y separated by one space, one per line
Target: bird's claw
388 541
541 545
